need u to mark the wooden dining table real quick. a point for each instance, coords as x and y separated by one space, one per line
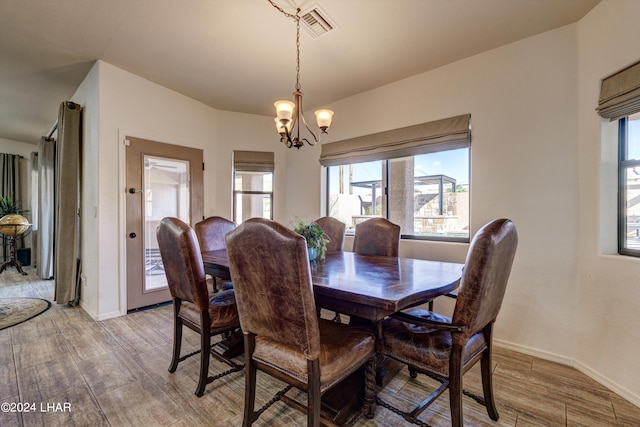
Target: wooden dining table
369 287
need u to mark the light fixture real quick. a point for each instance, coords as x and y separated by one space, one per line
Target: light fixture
289 114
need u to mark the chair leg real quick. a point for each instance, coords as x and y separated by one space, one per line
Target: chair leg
205 352
455 386
487 377
313 393
250 380
177 336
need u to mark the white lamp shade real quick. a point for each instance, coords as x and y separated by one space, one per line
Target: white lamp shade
324 118
281 127
284 110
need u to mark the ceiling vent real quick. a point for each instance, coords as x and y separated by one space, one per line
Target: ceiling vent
316 21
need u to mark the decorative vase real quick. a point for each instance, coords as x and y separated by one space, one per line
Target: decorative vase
313 253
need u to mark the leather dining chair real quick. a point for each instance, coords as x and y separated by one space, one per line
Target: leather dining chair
446 348
210 233
377 236
334 230
192 306
283 336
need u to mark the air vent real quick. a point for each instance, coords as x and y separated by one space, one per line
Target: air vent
316 21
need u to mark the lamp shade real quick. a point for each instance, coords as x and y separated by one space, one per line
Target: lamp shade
280 127
324 117
284 110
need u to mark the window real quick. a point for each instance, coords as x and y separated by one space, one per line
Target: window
252 185
421 183
629 185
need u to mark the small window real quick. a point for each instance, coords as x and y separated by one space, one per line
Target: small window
629 185
252 185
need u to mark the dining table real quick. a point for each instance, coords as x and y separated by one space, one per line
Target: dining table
368 287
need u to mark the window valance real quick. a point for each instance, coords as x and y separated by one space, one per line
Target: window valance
620 93
439 135
258 161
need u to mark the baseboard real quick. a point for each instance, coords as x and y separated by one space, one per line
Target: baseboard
96 317
594 375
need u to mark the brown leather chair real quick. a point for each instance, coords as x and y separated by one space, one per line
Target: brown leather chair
192 306
211 232
334 230
446 348
377 236
283 337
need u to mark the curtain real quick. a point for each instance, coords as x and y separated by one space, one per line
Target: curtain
10 186
33 200
257 161
620 93
439 135
45 207
67 202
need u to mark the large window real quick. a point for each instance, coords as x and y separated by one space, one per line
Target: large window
252 185
421 183
629 185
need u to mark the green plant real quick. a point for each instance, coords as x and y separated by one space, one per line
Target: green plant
314 235
9 205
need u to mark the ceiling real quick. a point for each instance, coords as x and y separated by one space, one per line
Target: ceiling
239 55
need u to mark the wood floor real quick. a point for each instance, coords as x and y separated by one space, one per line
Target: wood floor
114 373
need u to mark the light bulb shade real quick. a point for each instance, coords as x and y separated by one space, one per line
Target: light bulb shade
284 110
280 127
324 117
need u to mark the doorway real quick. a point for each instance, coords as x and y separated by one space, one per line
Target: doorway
161 180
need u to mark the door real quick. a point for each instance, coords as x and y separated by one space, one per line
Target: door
162 180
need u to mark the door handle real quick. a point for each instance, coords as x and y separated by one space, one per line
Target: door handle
134 191
132 235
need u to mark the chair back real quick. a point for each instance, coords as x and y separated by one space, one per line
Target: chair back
211 232
182 262
270 271
485 277
334 230
377 236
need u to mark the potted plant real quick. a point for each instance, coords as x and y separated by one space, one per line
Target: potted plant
316 240
9 205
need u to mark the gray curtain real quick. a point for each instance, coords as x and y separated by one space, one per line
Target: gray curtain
10 186
33 199
67 201
44 222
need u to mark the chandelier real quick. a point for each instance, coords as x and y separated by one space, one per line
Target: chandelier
289 114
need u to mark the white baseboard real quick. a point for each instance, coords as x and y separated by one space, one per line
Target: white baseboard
588 371
95 317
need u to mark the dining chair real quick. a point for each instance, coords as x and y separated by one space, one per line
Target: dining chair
192 305
334 230
377 236
283 336
210 232
446 348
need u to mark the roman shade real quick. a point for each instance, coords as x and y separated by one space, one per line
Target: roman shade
257 161
439 135
620 93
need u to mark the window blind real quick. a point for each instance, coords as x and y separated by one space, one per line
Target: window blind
258 161
439 135
620 94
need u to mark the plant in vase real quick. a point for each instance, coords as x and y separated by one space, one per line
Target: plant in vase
316 239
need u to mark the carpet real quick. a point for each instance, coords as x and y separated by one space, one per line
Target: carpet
18 310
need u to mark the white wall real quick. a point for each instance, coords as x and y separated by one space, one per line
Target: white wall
523 162
608 285
119 104
535 159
